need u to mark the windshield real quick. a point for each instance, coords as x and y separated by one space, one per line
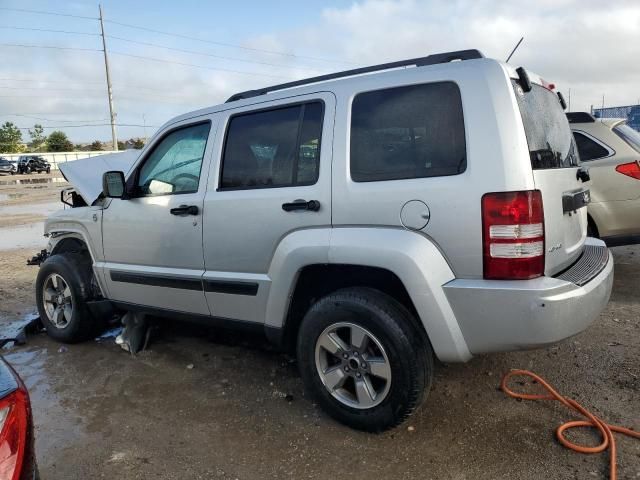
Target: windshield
629 135
551 144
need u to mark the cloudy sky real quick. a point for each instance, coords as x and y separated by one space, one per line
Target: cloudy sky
171 57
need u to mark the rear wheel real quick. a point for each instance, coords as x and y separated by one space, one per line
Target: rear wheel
63 287
363 358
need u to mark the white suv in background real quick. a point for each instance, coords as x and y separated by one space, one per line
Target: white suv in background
369 220
611 150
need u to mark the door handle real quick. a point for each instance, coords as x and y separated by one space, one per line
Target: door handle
312 205
185 210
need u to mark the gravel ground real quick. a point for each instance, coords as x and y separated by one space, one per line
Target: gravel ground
204 404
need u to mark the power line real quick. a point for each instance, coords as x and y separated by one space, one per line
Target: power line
194 65
48 30
223 44
48 89
241 72
91 125
49 46
235 59
42 12
37 80
51 119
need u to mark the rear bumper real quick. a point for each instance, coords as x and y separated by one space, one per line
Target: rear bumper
496 315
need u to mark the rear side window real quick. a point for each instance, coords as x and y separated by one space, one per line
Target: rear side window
629 135
273 148
551 144
588 148
408 132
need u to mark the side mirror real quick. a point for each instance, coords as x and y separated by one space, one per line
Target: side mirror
113 184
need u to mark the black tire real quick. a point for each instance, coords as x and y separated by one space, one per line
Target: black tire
75 269
48 170
405 343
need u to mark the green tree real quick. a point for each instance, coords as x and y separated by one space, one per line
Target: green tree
59 142
96 146
10 138
138 144
37 137
122 145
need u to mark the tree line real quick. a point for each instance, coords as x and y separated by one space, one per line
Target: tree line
11 141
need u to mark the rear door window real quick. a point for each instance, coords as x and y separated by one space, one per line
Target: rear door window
589 149
551 144
278 147
415 131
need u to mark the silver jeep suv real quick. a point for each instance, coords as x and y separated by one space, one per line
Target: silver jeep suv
370 220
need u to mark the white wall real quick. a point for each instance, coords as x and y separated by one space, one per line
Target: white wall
58 157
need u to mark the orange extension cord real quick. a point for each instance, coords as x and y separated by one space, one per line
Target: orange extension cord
606 430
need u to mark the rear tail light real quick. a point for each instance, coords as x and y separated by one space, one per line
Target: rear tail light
14 433
513 235
631 169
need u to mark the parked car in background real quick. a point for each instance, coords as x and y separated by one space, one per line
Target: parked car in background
33 163
368 223
6 166
611 150
17 455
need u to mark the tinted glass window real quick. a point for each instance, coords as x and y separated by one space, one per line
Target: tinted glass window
629 135
588 149
551 144
407 132
273 148
174 164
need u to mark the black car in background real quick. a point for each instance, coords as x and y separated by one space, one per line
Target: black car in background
33 163
17 456
6 166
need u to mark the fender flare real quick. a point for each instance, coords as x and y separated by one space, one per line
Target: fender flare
413 257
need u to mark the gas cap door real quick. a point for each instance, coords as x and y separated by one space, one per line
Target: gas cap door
415 215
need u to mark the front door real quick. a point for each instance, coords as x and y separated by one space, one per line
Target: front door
272 177
153 240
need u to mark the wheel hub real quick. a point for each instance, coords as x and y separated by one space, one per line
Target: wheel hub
352 365
57 300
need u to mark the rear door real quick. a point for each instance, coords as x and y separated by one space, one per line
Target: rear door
555 162
273 177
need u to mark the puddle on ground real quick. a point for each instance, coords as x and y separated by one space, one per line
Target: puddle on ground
23 236
28 181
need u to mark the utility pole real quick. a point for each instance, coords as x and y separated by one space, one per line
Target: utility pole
109 90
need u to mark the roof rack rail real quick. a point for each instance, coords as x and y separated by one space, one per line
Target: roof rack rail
580 117
418 62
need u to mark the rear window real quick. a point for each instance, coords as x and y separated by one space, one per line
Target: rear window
551 144
589 149
629 135
407 132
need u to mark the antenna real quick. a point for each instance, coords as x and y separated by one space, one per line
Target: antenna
514 49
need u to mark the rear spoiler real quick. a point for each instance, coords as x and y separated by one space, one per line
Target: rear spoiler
580 117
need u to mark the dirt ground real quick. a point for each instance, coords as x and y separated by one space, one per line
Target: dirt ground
207 404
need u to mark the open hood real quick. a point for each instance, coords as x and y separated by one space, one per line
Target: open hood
86 175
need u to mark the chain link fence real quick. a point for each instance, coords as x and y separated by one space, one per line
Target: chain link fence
630 112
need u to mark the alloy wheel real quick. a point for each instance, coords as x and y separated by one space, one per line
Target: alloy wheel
353 365
57 300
